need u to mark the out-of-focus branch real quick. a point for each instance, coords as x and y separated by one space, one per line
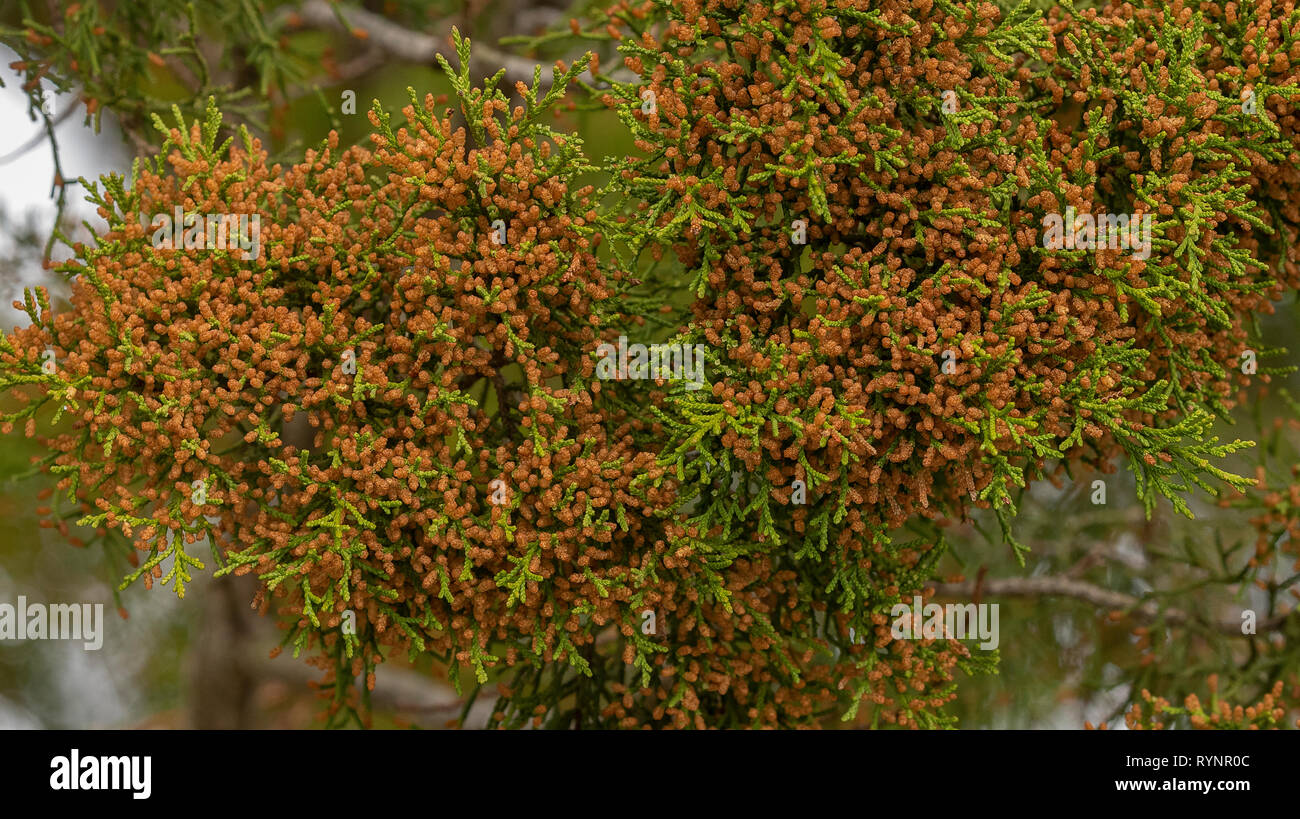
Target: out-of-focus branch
403 43
39 137
396 689
1144 610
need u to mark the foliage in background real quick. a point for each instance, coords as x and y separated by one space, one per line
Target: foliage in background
923 238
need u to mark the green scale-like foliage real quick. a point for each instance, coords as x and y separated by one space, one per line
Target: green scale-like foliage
858 193
850 197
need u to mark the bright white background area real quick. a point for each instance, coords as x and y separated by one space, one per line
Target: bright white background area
25 180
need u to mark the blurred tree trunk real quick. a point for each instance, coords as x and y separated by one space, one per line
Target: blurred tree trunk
221 687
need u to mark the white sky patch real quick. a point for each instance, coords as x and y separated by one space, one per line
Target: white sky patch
25 180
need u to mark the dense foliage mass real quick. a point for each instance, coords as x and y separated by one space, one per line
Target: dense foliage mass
852 201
